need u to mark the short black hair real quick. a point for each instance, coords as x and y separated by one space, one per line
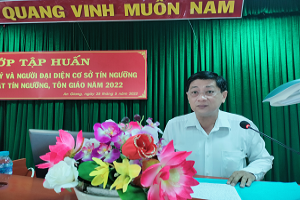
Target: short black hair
205 75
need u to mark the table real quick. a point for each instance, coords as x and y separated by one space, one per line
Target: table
27 188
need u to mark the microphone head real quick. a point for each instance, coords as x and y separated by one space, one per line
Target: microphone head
244 124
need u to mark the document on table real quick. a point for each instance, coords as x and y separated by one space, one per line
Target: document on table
215 191
258 190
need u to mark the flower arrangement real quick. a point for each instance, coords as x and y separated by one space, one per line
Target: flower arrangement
128 157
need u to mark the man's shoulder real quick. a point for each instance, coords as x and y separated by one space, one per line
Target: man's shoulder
234 118
181 119
177 124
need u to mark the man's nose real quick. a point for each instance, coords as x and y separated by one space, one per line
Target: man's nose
201 97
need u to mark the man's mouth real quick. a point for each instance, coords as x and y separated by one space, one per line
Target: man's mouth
202 106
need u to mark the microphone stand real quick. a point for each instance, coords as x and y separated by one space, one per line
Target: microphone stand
289 148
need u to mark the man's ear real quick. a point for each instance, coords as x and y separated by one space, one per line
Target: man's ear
224 96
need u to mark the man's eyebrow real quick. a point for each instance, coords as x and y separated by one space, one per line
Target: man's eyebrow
209 86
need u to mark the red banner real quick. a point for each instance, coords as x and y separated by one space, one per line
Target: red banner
116 10
73 75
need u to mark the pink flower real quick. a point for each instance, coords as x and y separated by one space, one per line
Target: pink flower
133 127
86 152
172 178
52 158
106 153
64 148
65 144
107 132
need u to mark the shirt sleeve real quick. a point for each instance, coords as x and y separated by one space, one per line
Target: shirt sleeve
260 161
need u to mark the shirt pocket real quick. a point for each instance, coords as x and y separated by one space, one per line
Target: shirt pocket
232 161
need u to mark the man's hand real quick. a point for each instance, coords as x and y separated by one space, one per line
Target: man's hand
245 177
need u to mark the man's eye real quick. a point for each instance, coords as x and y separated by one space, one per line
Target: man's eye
210 93
194 92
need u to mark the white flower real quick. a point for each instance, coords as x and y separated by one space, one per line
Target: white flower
152 131
135 132
109 120
154 125
88 142
62 175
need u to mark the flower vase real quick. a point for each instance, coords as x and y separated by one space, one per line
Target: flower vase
96 193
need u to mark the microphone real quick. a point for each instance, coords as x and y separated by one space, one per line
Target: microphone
246 125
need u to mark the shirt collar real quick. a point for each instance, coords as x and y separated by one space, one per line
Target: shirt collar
191 120
221 121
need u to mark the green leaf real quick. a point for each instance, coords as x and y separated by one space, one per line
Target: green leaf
69 189
85 168
122 156
132 192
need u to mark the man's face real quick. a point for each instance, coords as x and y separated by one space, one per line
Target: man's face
205 97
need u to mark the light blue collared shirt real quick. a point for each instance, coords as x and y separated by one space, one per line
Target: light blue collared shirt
224 149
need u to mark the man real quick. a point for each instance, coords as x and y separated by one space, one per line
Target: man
219 145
